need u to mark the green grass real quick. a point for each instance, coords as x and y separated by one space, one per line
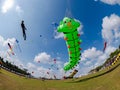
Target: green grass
102 80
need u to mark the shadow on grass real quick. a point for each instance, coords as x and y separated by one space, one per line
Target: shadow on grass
85 79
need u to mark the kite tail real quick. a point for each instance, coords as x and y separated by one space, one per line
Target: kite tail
68 66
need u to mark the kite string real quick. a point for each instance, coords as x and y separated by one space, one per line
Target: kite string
68 10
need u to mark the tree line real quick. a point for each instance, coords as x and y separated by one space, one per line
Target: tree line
13 68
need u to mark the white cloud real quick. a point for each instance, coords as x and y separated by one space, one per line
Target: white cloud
11 4
92 57
58 35
11 41
88 63
7 5
30 65
47 59
84 70
39 71
42 72
43 58
54 68
111 2
5 52
1 41
110 49
80 29
90 53
111 29
18 9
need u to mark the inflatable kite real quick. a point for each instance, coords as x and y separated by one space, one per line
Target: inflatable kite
69 27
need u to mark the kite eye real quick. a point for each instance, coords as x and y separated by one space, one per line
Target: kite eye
65 22
70 20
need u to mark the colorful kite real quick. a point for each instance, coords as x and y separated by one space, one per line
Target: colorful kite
11 49
69 27
9 46
18 45
105 45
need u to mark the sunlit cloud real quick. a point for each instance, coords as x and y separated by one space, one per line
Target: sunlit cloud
111 29
43 58
7 5
110 2
18 9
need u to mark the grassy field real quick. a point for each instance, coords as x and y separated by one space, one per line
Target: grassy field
102 80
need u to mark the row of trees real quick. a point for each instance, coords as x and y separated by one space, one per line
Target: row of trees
7 65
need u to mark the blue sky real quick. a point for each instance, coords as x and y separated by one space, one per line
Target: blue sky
100 21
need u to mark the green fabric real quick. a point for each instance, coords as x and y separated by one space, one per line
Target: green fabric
69 27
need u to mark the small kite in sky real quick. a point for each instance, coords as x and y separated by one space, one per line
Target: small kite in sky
68 26
47 72
105 45
54 76
55 25
18 45
23 29
32 72
54 60
40 35
10 47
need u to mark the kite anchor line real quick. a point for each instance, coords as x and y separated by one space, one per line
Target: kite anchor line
68 12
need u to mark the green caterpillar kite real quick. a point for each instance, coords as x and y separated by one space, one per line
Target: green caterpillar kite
69 27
